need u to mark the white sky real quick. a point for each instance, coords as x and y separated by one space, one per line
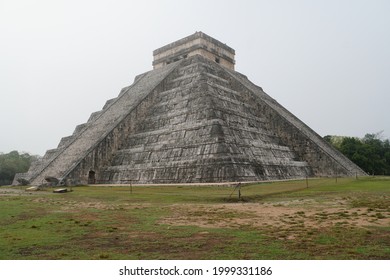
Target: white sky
327 61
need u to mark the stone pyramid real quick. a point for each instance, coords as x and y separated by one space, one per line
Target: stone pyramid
191 119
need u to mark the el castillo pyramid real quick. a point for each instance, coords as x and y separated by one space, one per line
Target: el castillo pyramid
192 118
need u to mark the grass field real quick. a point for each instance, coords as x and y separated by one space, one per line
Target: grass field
347 219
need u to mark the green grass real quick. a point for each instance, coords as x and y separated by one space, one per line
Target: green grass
201 222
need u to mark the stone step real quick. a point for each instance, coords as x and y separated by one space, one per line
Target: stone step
94 116
65 141
79 128
109 102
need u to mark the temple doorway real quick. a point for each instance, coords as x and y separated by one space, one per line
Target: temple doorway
91 177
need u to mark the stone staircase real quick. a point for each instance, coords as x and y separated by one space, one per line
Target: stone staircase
86 136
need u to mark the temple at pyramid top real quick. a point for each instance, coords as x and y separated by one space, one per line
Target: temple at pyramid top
198 43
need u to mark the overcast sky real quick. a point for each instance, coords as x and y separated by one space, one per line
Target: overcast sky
328 62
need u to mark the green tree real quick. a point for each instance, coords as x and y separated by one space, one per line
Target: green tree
371 153
13 163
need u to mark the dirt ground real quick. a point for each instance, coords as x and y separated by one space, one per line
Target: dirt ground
304 214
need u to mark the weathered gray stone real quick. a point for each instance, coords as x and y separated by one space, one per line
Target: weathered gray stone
60 190
33 189
193 120
23 182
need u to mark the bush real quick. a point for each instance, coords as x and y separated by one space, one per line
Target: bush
13 163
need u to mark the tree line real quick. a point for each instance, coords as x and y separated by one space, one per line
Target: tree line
371 153
12 163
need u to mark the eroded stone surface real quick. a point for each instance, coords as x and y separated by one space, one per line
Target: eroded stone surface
190 121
